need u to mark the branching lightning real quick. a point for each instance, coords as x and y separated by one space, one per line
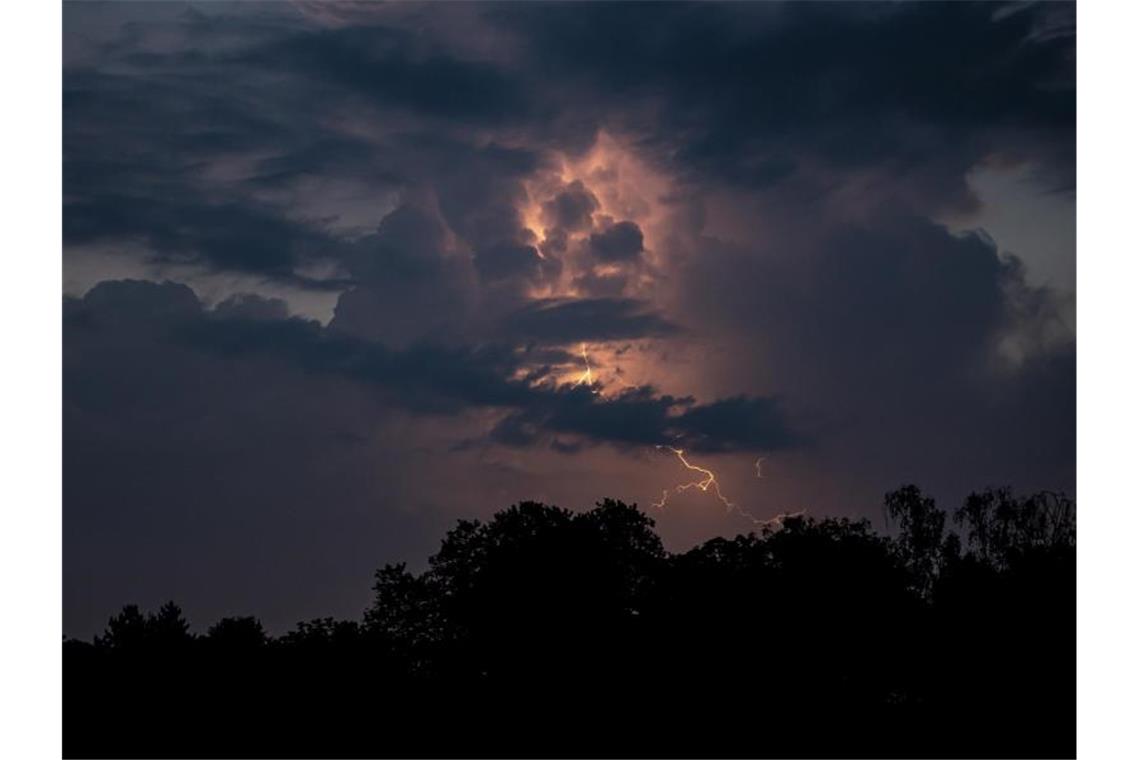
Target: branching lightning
587 376
709 481
706 480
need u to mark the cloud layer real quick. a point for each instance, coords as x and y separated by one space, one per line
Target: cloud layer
348 272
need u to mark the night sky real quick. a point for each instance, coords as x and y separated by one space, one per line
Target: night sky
336 276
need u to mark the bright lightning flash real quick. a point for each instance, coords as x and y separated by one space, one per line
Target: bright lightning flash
587 377
709 481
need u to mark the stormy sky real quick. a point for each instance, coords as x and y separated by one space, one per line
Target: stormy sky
337 275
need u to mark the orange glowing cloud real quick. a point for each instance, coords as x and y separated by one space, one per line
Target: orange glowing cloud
618 187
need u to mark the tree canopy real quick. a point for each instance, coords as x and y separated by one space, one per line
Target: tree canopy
546 631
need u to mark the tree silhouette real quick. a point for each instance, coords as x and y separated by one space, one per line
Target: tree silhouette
546 631
921 530
167 627
126 631
1002 527
237 634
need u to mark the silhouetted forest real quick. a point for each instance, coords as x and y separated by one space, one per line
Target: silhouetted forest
545 632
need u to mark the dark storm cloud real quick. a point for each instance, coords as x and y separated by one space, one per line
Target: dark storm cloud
328 153
137 151
880 304
746 93
634 418
243 237
480 190
923 351
621 242
749 423
421 378
585 319
122 302
407 286
508 260
798 64
429 379
641 417
382 64
406 245
177 150
146 319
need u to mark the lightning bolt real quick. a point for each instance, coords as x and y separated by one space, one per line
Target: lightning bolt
587 377
709 481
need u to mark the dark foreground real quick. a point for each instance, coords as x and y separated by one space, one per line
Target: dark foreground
548 633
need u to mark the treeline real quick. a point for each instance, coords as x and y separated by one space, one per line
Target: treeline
544 632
